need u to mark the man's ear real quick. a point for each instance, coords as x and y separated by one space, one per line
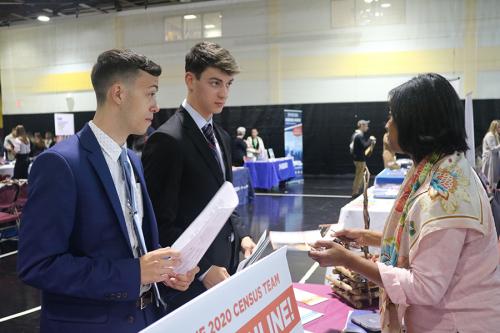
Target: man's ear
116 93
189 78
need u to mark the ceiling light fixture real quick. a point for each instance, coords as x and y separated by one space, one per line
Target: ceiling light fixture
43 18
190 17
209 26
385 5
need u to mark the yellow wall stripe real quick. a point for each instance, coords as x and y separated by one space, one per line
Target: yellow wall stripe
62 82
323 66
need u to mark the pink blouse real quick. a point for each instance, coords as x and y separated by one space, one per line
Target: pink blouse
453 284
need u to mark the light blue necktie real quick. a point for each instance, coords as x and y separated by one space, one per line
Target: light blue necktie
127 175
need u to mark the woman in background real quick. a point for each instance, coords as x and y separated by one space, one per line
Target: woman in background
491 154
22 150
438 266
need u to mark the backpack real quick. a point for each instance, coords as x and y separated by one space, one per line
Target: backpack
351 145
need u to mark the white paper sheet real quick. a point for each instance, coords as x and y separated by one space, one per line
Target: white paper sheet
197 238
295 240
307 315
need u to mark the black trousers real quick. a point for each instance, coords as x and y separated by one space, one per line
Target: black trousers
21 166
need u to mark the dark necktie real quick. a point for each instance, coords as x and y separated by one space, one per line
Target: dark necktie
132 203
208 132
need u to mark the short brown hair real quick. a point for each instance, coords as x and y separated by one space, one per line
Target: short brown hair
207 54
116 65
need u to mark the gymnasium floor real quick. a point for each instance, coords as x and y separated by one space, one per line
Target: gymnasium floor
298 207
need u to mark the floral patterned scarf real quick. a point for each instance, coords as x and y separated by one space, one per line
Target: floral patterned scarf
393 232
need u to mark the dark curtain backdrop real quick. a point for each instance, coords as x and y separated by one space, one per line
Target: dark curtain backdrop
327 128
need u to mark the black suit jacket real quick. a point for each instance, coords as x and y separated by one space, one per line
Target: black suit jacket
182 176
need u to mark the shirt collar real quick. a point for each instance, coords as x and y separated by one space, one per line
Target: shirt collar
108 145
198 119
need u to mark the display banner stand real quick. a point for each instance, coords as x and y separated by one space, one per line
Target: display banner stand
258 299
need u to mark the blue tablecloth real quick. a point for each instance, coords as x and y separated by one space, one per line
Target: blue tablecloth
387 183
388 176
243 185
267 174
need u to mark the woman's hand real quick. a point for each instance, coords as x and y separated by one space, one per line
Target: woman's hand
361 237
328 253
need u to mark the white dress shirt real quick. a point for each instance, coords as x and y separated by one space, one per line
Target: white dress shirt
111 151
201 122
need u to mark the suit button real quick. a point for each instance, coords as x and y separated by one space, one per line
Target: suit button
130 319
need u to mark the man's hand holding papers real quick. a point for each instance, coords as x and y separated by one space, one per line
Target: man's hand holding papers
181 281
247 246
158 266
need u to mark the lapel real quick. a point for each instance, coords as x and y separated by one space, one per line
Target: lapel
201 144
96 159
225 150
148 219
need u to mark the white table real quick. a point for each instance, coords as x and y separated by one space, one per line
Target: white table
7 169
351 215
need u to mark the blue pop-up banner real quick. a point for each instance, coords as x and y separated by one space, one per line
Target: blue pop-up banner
293 139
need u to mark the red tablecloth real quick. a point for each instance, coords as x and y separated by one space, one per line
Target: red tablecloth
335 312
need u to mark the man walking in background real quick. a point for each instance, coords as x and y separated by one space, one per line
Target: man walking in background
360 149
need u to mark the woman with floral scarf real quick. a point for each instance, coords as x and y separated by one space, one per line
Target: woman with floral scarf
438 266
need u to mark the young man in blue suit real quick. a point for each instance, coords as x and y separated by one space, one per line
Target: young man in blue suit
88 236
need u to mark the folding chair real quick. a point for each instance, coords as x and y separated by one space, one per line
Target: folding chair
22 196
9 218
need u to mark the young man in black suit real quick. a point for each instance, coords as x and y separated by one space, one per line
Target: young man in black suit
188 159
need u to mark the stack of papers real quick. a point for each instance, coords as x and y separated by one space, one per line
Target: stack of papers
197 238
257 252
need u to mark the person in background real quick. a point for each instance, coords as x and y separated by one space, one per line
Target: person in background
22 150
256 148
88 236
388 155
188 159
360 147
438 265
8 145
38 145
49 140
491 152
239 147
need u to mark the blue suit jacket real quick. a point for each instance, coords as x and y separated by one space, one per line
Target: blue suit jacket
74 245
